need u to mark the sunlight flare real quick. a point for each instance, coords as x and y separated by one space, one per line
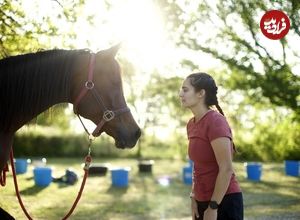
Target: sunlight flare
140 27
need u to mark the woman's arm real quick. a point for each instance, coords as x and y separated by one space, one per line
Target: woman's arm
194 205
222 150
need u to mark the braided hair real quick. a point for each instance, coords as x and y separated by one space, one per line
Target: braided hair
205 81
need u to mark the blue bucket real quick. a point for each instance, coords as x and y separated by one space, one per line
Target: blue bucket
187 176
119 177
254 171
42 176
292 167
21 166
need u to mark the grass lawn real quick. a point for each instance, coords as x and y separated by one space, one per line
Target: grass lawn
277 196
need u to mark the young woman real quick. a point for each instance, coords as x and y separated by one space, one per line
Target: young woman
215 192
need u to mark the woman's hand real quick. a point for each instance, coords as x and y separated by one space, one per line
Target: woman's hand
194 207
210 214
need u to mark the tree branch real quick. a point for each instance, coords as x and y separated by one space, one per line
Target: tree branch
295 18
283 44
250 23
58 3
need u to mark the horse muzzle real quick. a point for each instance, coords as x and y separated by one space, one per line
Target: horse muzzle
123 141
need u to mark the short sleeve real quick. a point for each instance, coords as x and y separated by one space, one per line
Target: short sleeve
218 127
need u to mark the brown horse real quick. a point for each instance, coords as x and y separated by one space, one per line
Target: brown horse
32 83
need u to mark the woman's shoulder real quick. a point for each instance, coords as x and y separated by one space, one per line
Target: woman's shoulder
213 114
216 117
210 117
218 126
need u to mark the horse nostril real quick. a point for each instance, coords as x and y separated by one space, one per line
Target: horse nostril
138 133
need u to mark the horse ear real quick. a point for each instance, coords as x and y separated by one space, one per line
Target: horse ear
113 50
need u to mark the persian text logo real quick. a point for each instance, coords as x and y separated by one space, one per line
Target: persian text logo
275 24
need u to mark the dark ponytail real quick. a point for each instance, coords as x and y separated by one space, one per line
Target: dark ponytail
221 112
219 109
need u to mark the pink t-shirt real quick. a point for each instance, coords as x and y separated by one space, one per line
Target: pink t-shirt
200 134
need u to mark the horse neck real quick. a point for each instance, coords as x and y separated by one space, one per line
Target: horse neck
44 102
32 91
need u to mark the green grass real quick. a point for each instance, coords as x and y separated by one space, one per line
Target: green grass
275 197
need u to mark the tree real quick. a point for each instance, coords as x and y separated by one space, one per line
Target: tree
20 34
163 94
141 100
229 31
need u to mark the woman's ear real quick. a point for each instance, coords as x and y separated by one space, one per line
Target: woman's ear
201 93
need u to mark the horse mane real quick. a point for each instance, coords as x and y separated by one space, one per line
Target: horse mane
30 82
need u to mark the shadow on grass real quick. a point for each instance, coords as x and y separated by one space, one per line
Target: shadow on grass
32 190
262 198
120 203
62 185
117 191
117 209
261 186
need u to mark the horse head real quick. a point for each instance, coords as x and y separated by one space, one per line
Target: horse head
98 96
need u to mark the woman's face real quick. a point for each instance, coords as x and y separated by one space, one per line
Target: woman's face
188 96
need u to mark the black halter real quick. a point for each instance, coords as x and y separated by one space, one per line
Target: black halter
89 86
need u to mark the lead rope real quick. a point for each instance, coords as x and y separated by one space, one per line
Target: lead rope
88 160
16 184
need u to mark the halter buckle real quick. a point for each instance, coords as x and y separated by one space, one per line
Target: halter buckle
108 115
89 85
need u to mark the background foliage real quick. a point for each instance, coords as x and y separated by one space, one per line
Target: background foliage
259 88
